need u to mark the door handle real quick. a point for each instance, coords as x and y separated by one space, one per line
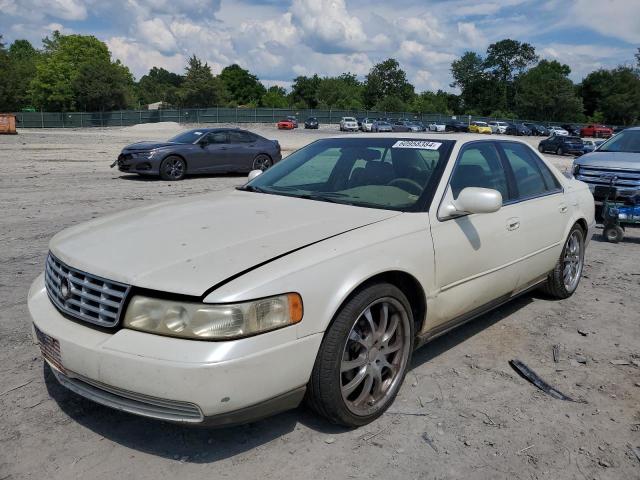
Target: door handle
563 208
513 224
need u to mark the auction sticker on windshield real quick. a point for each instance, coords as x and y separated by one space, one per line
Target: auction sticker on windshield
421 144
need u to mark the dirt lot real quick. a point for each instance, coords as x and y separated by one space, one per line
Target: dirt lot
462 413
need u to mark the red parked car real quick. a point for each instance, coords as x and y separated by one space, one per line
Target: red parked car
286 124
597 131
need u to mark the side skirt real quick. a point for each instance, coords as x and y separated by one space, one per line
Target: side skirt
446 327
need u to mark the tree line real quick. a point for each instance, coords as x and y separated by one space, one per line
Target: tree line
77 73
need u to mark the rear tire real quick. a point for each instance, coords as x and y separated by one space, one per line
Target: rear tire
559 151
563 280
173 168
364 357
540 149
262 162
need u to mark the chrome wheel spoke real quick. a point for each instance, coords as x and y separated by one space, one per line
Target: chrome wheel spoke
355 363
354 382
365 393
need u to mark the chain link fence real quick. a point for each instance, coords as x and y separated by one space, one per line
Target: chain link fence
125 118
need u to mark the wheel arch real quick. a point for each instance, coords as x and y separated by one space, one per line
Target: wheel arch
405 282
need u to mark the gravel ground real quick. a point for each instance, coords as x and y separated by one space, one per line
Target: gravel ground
461 413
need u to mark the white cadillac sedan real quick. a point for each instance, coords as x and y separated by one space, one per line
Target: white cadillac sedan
316 279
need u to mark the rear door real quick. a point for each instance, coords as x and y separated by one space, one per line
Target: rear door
542 211
243 148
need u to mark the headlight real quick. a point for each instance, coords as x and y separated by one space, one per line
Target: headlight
143 154
212 321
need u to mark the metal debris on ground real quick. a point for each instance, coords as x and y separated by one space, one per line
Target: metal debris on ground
533 377
635 451
620 362
556 353
426 438
584 333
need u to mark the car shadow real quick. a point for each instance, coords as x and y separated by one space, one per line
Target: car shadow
630 237
207 445
464 332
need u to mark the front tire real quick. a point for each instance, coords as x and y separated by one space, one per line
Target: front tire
540 149
565 277
173 168
364 357
559 151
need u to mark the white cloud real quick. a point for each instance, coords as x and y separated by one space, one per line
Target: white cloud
158 34
614 18
140 58
470 34
583 59
328 27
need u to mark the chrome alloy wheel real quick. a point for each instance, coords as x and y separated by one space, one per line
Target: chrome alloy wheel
573 260
375 356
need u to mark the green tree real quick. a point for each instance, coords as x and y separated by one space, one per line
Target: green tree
386 79
159 85
545 92
390 103
429 102
103 86
243 87
21 69
614 94
506 60
305 91
342 92
4 78
275 97
57 85
477 90
200 88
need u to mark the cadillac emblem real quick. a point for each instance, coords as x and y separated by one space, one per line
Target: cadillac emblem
65 289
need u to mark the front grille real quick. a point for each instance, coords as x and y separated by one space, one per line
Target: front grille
84 296
627 181
139 404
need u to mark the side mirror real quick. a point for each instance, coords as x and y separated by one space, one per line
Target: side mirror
476 200
253 174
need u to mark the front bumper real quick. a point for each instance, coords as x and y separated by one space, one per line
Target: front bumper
211 383
128 164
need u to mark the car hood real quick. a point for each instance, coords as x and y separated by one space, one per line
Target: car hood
622 160
146 146
190 245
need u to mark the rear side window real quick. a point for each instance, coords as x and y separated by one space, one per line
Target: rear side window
532 177
240 137
217 137
479 166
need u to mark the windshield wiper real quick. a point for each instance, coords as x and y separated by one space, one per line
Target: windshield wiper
325 197
251 188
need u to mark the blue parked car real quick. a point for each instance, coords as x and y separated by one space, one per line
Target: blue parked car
590 145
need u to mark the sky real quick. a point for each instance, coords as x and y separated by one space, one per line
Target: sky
280 39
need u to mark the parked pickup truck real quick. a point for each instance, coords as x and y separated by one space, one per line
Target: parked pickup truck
617 159
597 131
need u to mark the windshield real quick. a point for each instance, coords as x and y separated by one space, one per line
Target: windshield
388 173
190 136
349 119
573 139
626 141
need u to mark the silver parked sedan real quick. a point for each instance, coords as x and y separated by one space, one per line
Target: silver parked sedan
200 151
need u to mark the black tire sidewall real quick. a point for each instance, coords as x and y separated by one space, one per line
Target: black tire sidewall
325 379
555 282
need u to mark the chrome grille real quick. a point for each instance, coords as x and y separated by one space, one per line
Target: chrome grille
627 181
84 296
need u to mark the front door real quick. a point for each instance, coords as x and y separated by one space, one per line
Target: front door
476 255
213 155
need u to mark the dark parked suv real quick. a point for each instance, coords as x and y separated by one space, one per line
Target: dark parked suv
200 151
561 145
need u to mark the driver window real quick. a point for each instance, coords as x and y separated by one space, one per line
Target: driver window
217 137
479 165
